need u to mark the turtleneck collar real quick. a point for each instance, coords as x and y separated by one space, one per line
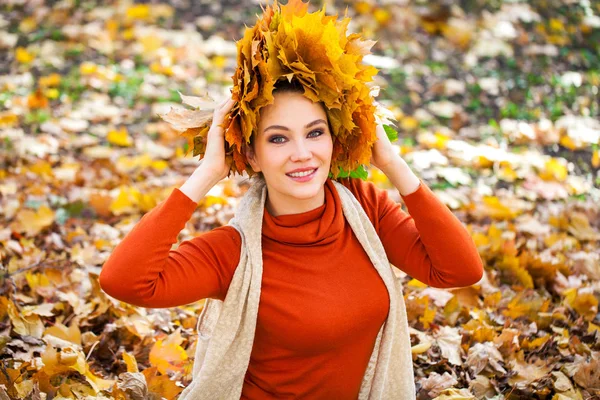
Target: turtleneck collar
315 227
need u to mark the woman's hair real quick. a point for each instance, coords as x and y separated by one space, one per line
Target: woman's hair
285 86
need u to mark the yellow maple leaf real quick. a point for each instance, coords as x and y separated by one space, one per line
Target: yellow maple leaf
592 328
480 331
33 222
120 137
70 358
514 272
42 168
409 123
167 356
35 280
526 304
496 209
138 11
428 317
23 56
582 301
71 334
51 80
414 283
492 299
8 119
532 344
24 324
554 169
28 24
88 68
127 201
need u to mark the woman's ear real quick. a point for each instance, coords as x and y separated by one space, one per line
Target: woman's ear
251 157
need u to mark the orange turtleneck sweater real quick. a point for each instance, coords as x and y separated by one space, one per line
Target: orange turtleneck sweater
322 302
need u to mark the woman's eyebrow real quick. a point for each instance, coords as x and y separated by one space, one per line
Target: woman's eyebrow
285 128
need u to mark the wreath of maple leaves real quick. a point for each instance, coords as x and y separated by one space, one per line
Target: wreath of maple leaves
289 43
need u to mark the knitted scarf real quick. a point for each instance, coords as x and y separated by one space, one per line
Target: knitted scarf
226 328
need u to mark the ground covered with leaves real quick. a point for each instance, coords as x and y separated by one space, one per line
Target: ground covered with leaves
497 109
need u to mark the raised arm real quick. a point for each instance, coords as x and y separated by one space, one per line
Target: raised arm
144 271
430 244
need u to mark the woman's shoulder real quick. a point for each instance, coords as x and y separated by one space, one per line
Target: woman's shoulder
225 235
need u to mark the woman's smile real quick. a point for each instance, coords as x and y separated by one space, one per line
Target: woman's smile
302 174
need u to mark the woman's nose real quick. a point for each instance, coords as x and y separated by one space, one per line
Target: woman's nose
301 151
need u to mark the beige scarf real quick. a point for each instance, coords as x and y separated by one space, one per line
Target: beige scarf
226 328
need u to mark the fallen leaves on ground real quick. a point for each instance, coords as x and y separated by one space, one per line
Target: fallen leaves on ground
497 112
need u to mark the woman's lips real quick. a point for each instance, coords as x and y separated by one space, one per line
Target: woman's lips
304 178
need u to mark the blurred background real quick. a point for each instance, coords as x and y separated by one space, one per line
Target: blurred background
497 110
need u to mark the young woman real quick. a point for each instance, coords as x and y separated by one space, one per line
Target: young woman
322 302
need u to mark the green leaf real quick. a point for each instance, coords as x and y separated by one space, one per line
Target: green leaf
391 133
360 173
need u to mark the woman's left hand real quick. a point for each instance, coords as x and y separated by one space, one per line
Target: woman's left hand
386 158
383 154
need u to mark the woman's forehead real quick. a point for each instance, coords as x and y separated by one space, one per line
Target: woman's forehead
292 109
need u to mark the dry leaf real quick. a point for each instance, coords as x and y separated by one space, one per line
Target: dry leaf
134 385
435 383
449 340
482 355
588 373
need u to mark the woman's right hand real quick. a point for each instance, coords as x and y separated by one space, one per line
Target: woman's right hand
213 166
214 158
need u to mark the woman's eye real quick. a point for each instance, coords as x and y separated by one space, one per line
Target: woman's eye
277 139
316 133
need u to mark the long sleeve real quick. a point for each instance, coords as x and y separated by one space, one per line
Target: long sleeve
143 270
430 244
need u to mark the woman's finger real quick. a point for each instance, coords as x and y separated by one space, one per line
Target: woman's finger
221 104
226 105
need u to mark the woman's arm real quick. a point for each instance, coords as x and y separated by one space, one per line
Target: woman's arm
143 270
430 244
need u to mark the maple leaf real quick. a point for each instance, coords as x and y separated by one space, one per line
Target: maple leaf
527 373
167 356
588 373
161 384
289 43
449 339
583 301
485 355
33 222
435 383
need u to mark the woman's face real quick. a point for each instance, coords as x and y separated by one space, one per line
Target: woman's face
293 150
